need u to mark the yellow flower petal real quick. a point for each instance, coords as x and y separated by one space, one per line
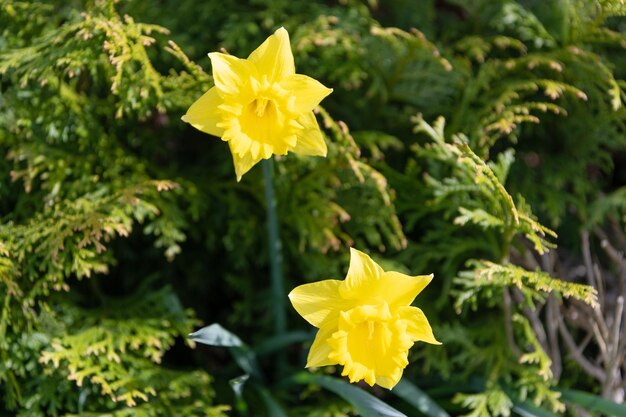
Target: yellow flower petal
204 114
274 58
320 349
318 302
399 289
242 162
369 284
308 92
371 344
418 327
250 109
310 139
361 272
390 381
230 73
366 323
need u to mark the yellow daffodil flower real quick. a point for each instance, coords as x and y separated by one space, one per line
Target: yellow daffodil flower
366 322
260 106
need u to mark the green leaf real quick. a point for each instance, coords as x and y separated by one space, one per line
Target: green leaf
527 409
366 405
274 409
275 343
216 335
593 402
237 385
418 398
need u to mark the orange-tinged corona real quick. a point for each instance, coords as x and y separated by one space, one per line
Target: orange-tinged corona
260 106
366 322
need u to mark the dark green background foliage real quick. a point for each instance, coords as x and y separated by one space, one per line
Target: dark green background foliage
464 136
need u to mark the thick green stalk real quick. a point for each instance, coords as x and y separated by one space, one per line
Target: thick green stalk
275 252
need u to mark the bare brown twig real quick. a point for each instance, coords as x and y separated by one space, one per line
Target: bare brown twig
581 327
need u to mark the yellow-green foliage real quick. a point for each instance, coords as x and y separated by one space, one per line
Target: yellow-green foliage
534 285
84 126
486 208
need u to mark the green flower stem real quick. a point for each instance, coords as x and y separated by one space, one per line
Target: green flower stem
275 252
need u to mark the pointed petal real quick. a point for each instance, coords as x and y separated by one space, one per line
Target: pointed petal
418 327
390 381
243 163
310 139
307 91
230 73
320 349
274 58
367 282
204 114
318 302
399 289
362 273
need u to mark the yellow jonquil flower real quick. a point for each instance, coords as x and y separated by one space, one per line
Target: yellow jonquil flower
260 106
366 322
